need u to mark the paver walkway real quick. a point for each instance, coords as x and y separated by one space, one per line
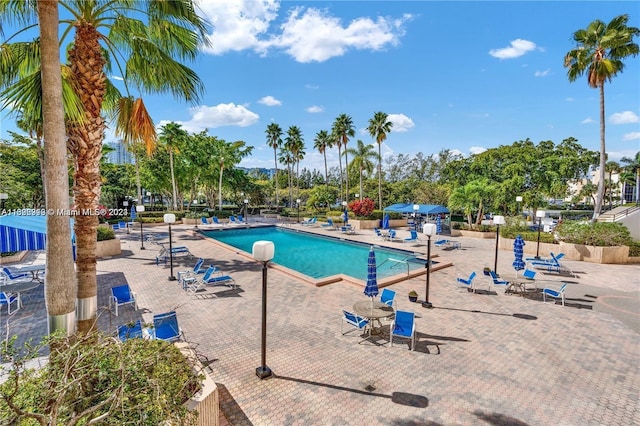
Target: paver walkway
479 359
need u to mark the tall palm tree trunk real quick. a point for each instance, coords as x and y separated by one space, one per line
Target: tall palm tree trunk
379 177
340 164
346 170
275 161
603 158
60 285
138 184
173 182
326 170
85 141
290 170
360 194
220 188
298 179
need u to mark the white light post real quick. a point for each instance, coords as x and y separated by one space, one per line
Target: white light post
298 204
264 252
519 201
170 218
140 209
246 211
428 229
416 207
3 196
497 220
539 214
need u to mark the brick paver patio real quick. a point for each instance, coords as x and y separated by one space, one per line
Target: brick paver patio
479 359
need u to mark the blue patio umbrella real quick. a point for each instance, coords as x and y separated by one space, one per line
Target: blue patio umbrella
518 250
385 221
345 216
371 289
438 224
133 213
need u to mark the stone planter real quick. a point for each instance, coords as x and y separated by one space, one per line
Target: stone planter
617 254
364 223
456 233
207 401
477 234
190 221
13 258
108 248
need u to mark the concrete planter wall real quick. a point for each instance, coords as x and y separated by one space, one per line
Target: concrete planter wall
207 401
456 233
190 221
477 234
108 248
610 255
364 224
13 258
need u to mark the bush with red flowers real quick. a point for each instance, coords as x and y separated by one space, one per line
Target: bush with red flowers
362 208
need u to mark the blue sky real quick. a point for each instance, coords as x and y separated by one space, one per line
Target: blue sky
466 76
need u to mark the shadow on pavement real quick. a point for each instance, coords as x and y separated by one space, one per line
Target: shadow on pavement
475 311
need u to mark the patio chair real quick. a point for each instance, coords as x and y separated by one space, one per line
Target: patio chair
353 320
378 233
441 243
498 281
10 275
240 218
347 229
122 295
165 327
468 282
197 269
329 224
232 219
210 279
529 274
413 237
556 293
130 331
8 299
403 325
392 235
388 297
308 222
204 220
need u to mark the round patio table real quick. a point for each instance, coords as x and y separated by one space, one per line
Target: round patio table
373 311
19 287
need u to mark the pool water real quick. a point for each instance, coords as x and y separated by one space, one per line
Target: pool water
318 256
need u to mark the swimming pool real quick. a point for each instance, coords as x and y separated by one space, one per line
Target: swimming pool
319 256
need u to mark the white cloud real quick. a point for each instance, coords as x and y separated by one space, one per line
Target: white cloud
569 99
477 149
206 117
542 73
587 120
516 49
625 117
314 109
117 77
308 34
312 86
631 136
401 123
456 152
270 101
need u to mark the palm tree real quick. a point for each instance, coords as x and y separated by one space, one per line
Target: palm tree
286 157
633 166
295 145
334 140
321 143
378 128
362 157
173 136
274 140
229 154
611 167
344 129
60 286
601 49
173 31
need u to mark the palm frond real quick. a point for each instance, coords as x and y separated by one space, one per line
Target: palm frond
134 124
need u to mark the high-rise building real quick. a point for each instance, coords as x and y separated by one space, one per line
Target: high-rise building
120 154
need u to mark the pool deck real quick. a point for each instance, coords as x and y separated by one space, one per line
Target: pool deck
480 358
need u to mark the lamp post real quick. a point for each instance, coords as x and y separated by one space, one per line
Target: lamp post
298 204
3 196
428 229
246 211
519 201
539 214
497 220
125 204
170 218
416 207
140 209
263 251
358 197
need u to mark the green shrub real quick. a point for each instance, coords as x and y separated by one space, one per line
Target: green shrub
105 233
98 375
600 234
634 249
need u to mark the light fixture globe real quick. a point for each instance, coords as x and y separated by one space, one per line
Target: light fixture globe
169 218
498 220
263 250
429 229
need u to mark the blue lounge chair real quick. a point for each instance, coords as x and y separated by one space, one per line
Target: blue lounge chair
165 327
204 220
186 275
413 237
329 224
215 220
210 279
498 281
404 325
8 299
164 255
347 229
529 274
127 331
556 293
468 282
392 235
240 218
353 320
310 221
379 233
122 295
10 275
441 243
388 297
232 219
